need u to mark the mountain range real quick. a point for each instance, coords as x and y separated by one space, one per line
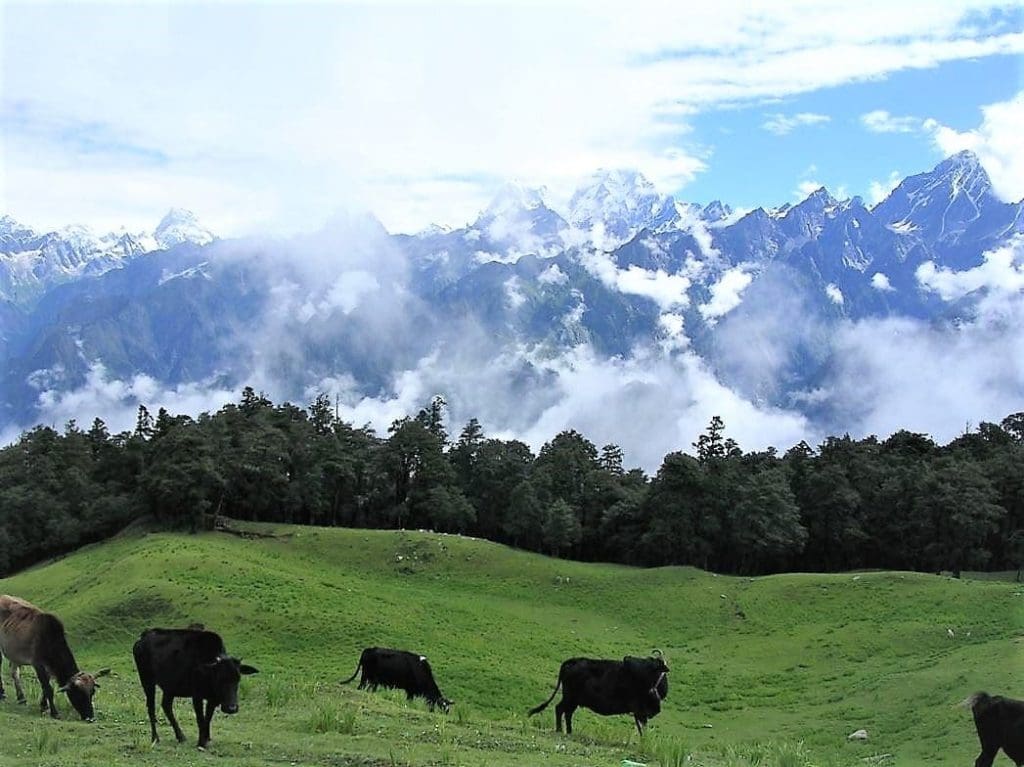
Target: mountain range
623 271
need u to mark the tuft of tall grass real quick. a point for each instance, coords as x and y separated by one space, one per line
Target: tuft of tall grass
279 693
47 742
770 754
330 717
670 752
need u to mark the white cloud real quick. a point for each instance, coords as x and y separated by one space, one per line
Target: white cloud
970 369
514 292
1002 271
348 291
670 400
880 121
880 281
781 124
117 401
673 331
726 293
666 290
879 190
261 117
997 142
835 295
970 373
805 188
552 276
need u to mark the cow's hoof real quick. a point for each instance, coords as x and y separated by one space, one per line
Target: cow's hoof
55 715
181 738
22 701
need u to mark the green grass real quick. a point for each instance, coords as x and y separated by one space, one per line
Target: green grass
815 657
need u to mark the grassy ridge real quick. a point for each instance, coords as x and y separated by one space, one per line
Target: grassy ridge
786 659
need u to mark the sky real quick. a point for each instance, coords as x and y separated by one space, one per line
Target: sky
270 118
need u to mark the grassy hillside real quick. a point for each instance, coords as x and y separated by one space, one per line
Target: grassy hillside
795 661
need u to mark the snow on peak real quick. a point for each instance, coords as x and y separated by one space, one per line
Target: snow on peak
716 210
10 226
178 226
513 198
963 160
820 198
621 201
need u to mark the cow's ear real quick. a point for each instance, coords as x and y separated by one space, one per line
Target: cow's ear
247 669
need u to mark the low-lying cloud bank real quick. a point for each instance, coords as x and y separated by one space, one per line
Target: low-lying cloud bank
880 375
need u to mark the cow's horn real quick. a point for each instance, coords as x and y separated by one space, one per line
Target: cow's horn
657 653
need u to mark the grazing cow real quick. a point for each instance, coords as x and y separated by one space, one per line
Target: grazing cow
188 663
399 669
31 637
1000 724
629 686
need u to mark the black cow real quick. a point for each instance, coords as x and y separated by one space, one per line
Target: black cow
1000 723
629 686
407 671
188 663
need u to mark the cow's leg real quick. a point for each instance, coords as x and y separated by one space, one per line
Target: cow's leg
639 724
203 720
167 704
16 678
44 682
210 709
989 747
569 711
987 757
150 690
559 712
2 693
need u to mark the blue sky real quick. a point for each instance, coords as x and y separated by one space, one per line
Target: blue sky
273 117
751 166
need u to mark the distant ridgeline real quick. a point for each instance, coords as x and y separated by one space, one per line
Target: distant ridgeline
903 503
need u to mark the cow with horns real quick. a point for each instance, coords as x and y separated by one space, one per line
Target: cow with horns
632 685
189 663
31 637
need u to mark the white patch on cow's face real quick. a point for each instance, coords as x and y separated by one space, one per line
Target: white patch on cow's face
423 657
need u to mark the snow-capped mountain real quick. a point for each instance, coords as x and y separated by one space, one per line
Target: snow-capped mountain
758 297
951 209
32 262
519 221
616 204
178 226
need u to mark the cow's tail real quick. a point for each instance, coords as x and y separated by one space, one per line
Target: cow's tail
973 701
355 673
544 705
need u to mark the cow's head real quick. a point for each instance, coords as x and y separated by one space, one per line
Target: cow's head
445 704
224 674
80 688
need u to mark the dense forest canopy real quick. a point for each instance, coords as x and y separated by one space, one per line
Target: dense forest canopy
904 502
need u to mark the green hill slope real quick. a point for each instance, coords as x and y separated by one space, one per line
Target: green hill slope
783 659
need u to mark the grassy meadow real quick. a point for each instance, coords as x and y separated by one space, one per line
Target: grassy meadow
771 671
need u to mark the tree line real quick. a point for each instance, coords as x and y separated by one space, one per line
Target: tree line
904 502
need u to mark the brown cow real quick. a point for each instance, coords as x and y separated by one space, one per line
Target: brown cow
31 637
